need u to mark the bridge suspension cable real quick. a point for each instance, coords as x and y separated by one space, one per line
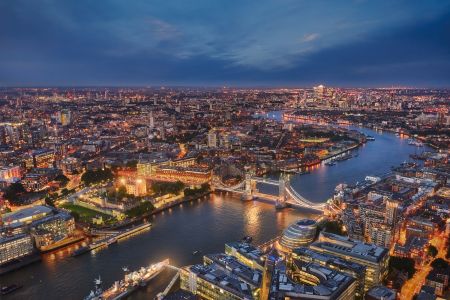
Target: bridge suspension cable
302 200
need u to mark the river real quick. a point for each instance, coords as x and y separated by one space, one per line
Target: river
203 225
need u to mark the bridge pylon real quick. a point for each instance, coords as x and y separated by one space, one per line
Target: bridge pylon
282 197
248 189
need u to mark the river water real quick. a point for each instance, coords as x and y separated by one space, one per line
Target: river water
203 225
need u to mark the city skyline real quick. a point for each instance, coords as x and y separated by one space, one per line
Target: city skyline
264 44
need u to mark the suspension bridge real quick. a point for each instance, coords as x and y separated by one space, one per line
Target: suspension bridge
287 195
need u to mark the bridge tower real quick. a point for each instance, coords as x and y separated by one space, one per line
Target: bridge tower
281 201
248 191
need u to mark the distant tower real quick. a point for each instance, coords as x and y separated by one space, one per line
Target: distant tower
162 133
212 139
151 120
319 91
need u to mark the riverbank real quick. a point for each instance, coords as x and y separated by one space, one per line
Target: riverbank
20 263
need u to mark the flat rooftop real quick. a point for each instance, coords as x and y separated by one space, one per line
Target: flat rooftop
230 263
349 247
247 250
26 213
220 278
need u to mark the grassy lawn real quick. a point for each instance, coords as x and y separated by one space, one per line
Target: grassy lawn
85 214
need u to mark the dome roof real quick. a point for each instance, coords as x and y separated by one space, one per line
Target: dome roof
298 234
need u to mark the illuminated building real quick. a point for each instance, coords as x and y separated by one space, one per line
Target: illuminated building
212 282
50 232
35 182
300 233
65 117
381 293
70 165
246 254
42 158
15 247
415 248
151 120
250 276
420 227
27 215
304 280
392 211
183 162
438 279
134 186
189 175
147 168
212 139
381 235
373 257
319 91
101 204
10 173
348 267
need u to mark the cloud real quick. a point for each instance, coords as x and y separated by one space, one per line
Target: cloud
310 37
163 30
207 42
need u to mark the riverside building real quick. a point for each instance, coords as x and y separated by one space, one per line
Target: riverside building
15 247
373 257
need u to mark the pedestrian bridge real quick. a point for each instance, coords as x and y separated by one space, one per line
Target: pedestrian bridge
286 193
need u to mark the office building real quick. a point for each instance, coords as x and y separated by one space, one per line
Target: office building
246 254
298 234
212 282
373 257
53 231
348 267
381 293
10 173
15 247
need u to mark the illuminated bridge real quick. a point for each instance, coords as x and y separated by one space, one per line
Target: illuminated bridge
286 194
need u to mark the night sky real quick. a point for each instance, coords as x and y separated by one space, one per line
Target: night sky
225 43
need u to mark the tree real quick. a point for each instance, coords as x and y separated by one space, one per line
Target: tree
143 208
49 201
121 192
62 179
439 263
13 191
332 227
75 215
404 264
96 176
432 251
163 188
132 164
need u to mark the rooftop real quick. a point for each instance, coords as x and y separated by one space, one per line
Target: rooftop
26 213
347 246
249 275
246 250
331 283
382 292
327 258
218 277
